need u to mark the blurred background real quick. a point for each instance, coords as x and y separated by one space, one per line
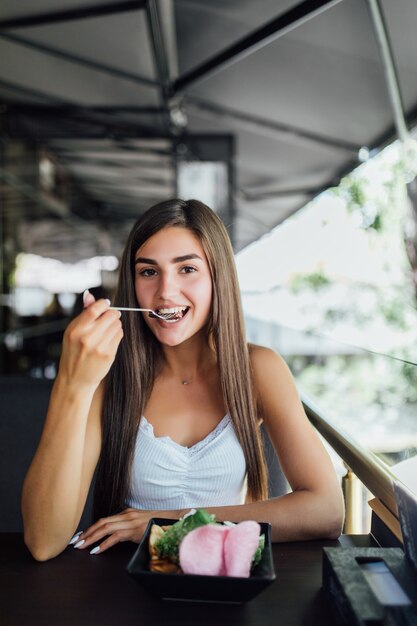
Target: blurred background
295 121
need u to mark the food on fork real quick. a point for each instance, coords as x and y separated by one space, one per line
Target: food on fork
174 314
196 544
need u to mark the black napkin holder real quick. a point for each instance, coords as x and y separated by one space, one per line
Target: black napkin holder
350 595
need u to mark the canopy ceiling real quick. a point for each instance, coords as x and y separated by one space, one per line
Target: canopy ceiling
112 88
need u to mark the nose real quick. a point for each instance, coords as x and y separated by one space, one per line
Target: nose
168 286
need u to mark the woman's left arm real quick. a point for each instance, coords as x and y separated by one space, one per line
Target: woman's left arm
314 508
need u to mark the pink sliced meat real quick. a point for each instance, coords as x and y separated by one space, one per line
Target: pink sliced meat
240 545
201 551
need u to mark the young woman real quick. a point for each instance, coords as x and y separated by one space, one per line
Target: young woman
169 412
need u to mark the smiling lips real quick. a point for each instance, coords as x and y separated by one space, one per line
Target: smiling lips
173 314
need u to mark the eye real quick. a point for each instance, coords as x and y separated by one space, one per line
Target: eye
188 269
147 271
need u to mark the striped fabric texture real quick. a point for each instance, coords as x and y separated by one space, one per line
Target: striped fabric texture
167 475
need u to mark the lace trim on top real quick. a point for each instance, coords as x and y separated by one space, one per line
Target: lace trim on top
147 428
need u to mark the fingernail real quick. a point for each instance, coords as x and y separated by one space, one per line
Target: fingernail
75 537
79 544
85 294
108 301
95 550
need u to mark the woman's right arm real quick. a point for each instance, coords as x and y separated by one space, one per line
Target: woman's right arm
59 477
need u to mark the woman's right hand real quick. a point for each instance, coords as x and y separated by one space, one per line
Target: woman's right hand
90 343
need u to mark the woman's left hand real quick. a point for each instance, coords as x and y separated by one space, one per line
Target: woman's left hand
130 525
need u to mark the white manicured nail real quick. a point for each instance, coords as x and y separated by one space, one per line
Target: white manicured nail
108 301
75 537
95 550
79 544
85 294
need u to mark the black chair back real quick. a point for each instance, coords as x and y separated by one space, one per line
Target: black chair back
23 406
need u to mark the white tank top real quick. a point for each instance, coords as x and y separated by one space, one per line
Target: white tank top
169 476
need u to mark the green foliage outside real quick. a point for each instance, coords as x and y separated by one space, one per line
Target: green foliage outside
372 396
315 280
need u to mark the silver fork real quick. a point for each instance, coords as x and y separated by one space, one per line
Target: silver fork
152 313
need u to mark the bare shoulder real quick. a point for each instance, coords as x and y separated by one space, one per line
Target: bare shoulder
266 363
273 383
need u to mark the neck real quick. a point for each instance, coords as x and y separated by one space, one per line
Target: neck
189 362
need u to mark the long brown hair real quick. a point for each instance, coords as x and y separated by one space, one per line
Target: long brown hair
131 377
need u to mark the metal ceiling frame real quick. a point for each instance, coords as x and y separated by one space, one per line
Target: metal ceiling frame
172 90
394 91
94 122
65 107
29 91
88 63
390 70
253 42
160 57
380 142
70 15
251 122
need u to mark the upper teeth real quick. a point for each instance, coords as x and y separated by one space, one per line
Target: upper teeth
174 309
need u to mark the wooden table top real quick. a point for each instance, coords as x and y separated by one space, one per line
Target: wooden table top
79 589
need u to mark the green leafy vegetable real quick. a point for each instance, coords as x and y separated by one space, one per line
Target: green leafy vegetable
168 545
258 554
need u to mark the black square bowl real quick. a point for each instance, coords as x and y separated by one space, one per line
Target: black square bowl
191 587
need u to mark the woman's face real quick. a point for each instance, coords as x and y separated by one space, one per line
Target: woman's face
172 272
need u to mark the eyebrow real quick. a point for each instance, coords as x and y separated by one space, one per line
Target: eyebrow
177 259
